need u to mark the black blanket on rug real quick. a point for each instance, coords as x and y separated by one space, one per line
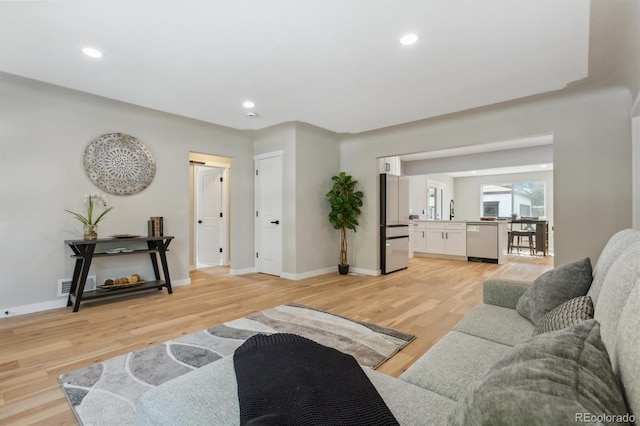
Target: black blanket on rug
286 379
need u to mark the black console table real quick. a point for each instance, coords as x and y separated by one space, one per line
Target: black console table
84 252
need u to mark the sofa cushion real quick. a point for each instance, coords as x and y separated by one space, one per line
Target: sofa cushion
619 243
569 313
625 358
614 295
501 325
209 396
503 292
453 363
548 379
555 287
411 405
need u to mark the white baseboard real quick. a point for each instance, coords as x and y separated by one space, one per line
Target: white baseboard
290 276
363 271
309 274
242 271
58 303
32 308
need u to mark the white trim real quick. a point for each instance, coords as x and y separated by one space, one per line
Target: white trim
309 274
242 271
268 155
34 307
363 271
60 303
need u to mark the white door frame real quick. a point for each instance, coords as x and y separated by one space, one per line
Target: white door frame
225 209
274 268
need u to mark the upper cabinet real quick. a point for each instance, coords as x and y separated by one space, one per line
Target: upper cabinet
390 165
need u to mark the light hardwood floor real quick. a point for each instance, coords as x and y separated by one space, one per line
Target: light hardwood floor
426 300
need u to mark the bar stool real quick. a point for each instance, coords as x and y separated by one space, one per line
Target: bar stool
512 235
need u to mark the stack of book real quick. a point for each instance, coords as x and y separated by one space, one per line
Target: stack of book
155 226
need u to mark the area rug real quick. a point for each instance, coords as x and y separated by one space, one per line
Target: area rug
106 393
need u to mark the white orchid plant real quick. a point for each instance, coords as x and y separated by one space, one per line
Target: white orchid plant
92 199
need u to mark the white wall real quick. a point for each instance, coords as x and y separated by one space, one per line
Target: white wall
480 161
591 155
310 158
317 160
44 131
418 193
469 194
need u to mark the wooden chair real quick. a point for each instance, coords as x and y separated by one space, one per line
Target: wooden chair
516 236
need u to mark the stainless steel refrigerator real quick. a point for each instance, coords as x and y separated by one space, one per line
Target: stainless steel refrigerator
394 223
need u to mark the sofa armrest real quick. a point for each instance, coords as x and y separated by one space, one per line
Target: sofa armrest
502 292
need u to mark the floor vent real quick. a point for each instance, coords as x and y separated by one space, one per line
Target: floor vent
64 285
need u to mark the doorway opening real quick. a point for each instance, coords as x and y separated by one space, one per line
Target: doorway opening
209 210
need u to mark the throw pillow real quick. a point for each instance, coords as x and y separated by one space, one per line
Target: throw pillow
548 379
555 287
569 313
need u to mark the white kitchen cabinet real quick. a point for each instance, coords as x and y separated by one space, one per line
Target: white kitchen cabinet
390 165
456 239
418 237
449 238
435 239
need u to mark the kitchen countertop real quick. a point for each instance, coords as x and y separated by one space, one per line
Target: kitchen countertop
474 222
440 221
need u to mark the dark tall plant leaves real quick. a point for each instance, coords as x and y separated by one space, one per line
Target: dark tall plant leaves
345 204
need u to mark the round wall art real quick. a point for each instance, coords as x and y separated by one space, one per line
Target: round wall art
119 164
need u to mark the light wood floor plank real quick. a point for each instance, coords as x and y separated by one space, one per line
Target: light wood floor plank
426 300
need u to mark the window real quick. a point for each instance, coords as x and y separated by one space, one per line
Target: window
526 199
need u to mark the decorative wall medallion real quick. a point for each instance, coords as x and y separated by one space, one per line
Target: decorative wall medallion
119 164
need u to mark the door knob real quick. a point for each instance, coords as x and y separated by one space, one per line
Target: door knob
277 222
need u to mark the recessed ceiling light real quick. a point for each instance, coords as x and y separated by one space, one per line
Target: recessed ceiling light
91 52
248 104
251 114
408 39
474 171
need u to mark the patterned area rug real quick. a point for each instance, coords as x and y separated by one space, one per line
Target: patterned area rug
106 393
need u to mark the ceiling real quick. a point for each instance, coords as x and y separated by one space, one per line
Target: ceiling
334 64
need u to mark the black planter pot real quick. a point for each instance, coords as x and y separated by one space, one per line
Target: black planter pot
343 269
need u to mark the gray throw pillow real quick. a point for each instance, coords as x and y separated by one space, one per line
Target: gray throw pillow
548 379
569 313
555 287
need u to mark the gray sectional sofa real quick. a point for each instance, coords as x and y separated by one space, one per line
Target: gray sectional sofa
488 365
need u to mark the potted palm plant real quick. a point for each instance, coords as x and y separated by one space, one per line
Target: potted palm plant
345 204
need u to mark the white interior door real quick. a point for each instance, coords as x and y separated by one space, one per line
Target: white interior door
268 202
210 217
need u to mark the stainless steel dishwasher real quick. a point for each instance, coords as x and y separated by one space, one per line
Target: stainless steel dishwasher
482 242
